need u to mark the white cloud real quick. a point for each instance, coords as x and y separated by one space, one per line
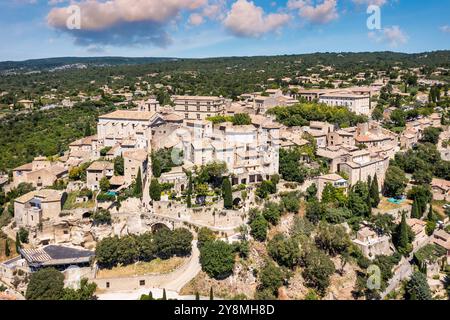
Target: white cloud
315 12
196 19
393 36
245 19
371 2
123 22
445 29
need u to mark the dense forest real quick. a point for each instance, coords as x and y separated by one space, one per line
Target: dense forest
47 133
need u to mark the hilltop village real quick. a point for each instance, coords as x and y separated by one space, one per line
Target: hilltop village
289 193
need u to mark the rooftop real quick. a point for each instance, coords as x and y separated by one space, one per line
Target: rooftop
129 115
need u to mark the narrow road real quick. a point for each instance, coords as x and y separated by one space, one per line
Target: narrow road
173 284
178 281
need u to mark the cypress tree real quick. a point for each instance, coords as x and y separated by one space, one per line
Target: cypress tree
227 193
155 190
415 209
164 297
403 239
138 185
197 296
87 130
369 204
430 213
7 250
375 192
18 244
156 167
211 294
189 193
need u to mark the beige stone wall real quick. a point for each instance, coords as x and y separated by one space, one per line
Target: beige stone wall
132 167
51 210
93 179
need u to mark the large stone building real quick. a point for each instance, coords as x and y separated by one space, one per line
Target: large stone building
357 103
199 107
130 126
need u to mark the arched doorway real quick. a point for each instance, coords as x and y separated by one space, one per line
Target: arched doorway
159 226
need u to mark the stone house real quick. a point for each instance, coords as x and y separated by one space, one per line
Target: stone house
96 171
135 160
34 207
372 244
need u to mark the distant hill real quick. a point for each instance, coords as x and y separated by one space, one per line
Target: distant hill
337 59
52 63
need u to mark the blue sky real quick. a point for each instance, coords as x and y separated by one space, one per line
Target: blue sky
206 28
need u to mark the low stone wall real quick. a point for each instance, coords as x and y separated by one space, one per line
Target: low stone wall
203 216
139 282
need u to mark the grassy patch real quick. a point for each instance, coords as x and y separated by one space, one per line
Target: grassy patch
71 204
12 248
156 266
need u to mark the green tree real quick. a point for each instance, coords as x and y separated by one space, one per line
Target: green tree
395 182
156 167
155 190
164 296
332 239
18 244
415 210
375 192
87 129
431 135
403 238
258 228
45 284
272 213
205 235
314 211
137 190
106 252
119 166
291 202
284 250
417 288
189 192
271 277
105 185
311 192
23 235
318 270
217 259
227 193
85 292
241 119
7 249
211 294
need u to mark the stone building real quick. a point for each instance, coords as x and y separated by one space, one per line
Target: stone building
34 207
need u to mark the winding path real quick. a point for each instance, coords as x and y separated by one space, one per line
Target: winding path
173 282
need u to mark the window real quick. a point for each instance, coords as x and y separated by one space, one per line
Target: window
198 116
186 115
198 108
142 283
107 284
186 108
208 109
